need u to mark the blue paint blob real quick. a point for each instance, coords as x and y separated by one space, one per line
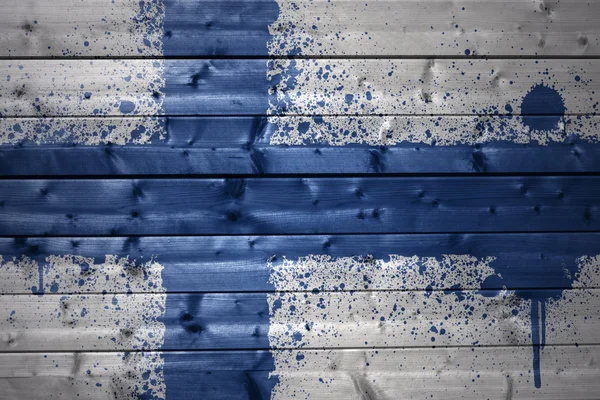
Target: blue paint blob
542 108
297 337
303 127
126 107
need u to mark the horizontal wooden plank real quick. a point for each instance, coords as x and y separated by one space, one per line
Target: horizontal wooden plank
43 88
245 263
410 27
298 205
283 27
297 320
495 373
569 157
82 322
273 131
254 145
71 28
115 87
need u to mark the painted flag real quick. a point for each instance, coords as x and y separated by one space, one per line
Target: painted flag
154 78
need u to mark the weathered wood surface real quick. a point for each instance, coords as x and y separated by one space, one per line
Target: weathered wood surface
244 263
496 373
298 205
547 122
260 145
280 27
308 321
510 310
47 88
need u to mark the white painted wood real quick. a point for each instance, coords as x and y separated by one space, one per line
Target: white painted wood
430 87
94 376
323 320
54 322
348 27
373 130
304 87
45 88
443 130
65 274
568 372
444 373
436 27
39 28
416 318
83 130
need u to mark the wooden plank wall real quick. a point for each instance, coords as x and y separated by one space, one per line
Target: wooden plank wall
276 199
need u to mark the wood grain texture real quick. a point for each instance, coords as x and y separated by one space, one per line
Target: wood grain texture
424 28
243 263
243 320
76 322
243 374
297 205
116 87
281 27
497 373
256 145
143 283
71 28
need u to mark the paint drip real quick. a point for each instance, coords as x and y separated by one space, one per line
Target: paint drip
324 302
510 277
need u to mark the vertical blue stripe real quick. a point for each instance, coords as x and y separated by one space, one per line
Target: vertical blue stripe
218 27
199 24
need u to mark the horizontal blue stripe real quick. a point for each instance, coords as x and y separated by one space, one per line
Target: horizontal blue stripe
240 145
298 206
239 263
218 28
219 375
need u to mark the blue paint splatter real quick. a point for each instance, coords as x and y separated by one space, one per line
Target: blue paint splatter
512 277
544 101
127 107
